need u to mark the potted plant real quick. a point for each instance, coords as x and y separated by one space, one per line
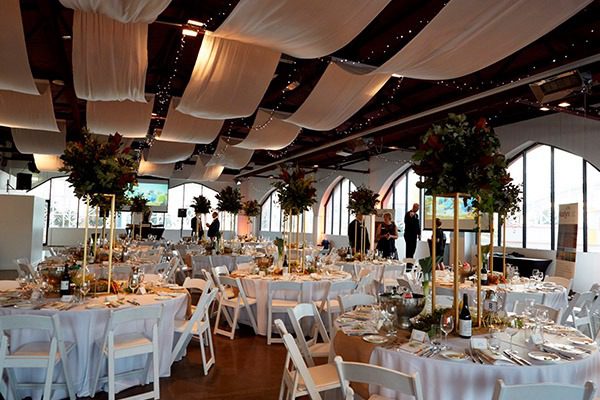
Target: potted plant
251 208
201 206
362 201
229 200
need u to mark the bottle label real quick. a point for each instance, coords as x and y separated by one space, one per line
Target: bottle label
464 327
64 285
484 277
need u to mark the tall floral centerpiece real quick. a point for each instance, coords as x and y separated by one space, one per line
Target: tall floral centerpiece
98 171
229 200
458 159
201 206
363 201
251 208
138 205
297 194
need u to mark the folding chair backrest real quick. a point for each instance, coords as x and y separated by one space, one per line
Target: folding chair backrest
233 283
337 288
299 367
204 303
220 271
553 313
40 322
350 301
372 374
559 280
545 391
209 277
296 315
281 327
195 283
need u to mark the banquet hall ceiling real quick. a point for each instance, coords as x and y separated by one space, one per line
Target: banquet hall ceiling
48 35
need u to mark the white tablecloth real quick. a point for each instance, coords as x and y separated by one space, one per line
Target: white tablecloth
258 288
86 327
450 380
376 267
204 262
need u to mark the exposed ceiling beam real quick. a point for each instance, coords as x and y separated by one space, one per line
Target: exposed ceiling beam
445 107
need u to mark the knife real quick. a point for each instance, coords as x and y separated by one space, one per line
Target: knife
476 356
519 358
512 358
468 352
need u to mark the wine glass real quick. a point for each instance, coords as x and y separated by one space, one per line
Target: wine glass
535 273
134 283
512 328
446 325
84 289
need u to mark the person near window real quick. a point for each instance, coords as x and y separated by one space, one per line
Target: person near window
213 227
194 224
440 240
355 235
387 233
412 230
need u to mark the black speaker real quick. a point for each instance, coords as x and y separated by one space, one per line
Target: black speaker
23 181
181 212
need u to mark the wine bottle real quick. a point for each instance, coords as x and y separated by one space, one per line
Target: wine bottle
65 282
464 319
484 276
285 265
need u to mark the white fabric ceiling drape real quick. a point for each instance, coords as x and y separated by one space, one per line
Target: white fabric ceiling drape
269 133
204 173
109 58
229 79
336 97
123 11
28 111
153 169
230 156
169 152
130 119
301 28
30 141
181 127
47 162
184 172
15 73
468 35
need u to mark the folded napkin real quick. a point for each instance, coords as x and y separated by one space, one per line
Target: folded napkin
414 347
494 358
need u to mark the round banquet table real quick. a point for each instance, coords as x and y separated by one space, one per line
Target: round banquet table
314 287
86 327
374 266
443 379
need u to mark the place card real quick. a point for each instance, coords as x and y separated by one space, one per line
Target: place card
419 336
479 343
67 298
490 305
111 298
142 290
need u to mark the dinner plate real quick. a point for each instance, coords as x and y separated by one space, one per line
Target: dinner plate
163 298
580 340
375 339
544 357
25 306
454 356
566 349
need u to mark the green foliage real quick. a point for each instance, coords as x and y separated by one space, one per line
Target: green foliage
229 200
97 168
138 203
363 201
201 205
425 322
296 191
251 208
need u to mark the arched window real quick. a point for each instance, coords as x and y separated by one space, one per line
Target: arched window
337 215
272 219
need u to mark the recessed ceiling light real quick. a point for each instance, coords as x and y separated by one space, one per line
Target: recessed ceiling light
196 23
66 37
564 104
544 108
316 166
189 32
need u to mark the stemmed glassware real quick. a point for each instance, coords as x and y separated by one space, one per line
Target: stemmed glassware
512 328
84 289
446 325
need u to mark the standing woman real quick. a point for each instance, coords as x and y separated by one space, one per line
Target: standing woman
387 233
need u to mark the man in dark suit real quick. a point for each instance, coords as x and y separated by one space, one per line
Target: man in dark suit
355 235
213 227
412 230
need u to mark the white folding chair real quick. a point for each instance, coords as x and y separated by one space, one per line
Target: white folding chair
577 313
544 391
366 282
299 380
349 301
196 283
117 345
310 348
409 385
198 326
39 354
390 274
278 305
237 303
174 265
559 280
329 304
553 313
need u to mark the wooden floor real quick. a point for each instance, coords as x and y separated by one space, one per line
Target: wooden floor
246 368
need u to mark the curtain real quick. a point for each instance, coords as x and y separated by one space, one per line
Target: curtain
230 156
152 169
20 110
15 73
181 127
121 10
269 133
300 28
109 58
130 119
229 79
169 152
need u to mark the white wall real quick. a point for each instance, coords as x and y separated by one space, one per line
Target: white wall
22 226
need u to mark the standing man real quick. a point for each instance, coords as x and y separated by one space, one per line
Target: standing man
355 235
213 227
412 230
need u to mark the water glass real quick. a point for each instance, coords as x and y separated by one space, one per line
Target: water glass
494 339
447 325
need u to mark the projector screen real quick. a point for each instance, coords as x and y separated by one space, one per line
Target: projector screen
156 191
445 212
